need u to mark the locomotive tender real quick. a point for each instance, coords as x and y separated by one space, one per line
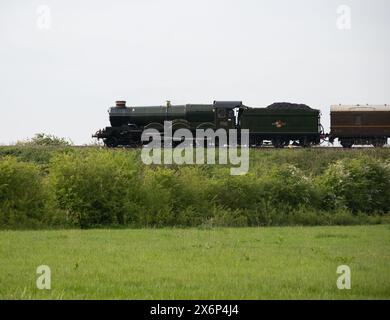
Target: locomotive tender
279 124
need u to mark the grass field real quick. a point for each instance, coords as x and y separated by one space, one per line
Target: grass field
221 263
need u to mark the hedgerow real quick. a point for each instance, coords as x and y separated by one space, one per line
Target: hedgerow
91 187
96 188
23 197
361 185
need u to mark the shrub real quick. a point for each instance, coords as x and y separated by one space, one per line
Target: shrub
37 155
191 192
264 197
155 197
226 218
173 196
90 187
22 194
362 185
95 188
286 187
234 192
43 139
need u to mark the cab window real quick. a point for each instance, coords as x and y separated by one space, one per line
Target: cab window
221 113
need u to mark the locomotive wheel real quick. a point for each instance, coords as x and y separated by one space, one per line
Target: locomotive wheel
378 144
304 143
259 143
346 144
255 142
111 142
278 143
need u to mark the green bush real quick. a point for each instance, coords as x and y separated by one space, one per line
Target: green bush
23 198
279 187
43 139
155 197
361 185
191 192
173 197
38 155
96 188
92 187
234 192
222 217
287 186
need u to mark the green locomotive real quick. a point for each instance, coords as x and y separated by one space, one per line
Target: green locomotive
279 124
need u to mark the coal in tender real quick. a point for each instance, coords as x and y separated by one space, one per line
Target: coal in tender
288 106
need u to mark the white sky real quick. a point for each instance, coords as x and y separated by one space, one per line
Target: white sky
62 80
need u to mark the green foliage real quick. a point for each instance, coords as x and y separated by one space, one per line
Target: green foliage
92 187
171 197
37 155
155 197
22 194
235 192
280 188
288 187
43 139
361 185
95 189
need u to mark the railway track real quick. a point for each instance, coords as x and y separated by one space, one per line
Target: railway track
253 148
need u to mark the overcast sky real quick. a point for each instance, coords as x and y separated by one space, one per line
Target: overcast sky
63 63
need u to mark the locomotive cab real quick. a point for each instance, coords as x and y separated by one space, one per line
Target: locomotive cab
225 117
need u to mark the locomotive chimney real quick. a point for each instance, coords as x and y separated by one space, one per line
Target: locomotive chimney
120 104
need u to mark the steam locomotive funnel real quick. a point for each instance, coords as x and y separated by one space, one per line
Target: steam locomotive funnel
120 104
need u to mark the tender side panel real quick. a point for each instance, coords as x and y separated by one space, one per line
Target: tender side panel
275 122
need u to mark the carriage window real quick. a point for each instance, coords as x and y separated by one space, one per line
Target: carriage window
221 113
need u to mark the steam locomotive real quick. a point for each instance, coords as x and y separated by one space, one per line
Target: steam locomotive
279 124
